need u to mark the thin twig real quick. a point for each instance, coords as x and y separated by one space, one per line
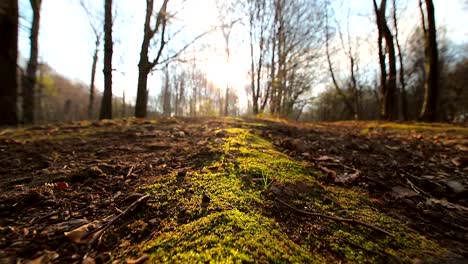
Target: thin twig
43 217
338 219
113 220
130 171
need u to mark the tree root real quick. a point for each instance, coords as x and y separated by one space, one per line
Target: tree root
338 219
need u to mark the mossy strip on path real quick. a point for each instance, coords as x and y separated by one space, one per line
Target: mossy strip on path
226 213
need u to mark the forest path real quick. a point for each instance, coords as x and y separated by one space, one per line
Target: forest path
218 187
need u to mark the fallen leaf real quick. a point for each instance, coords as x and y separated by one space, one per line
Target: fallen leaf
79 234
61 185
461 147
403 192
88 260
326 158
459 162
45 258
348 177
395 148
139 260
328 171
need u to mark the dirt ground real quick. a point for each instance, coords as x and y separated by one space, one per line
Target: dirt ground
55 179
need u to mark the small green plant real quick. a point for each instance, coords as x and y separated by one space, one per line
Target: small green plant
266 180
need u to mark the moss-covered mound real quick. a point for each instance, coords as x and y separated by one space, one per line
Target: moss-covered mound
228 212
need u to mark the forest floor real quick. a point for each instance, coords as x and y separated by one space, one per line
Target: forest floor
234 190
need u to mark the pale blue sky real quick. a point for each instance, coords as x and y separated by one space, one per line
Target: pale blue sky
66 40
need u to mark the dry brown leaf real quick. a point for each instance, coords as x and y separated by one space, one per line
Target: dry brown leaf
45 258
459 162
139 260
79 235
61 185
348 178
88 260
328 171
461 147
326 158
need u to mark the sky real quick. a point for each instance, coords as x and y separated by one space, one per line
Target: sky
66 41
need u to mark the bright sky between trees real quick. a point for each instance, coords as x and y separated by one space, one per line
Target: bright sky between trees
66 40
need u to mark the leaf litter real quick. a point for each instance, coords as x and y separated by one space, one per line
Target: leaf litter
67 189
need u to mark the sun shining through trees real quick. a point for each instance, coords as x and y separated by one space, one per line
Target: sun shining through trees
277 61
233 131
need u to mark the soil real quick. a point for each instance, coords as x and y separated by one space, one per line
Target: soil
57 178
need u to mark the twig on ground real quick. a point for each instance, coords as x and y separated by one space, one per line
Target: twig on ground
43 217
130 171
99 232
338 219
417 189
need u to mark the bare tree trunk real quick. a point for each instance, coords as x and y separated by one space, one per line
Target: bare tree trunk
278 70
252 68
388 85
226 102
106 105
403 99
271 85
39 95
166 94
142 93
354 87
330 69
8 58
145 66
93 78
124 106
31 70
428 111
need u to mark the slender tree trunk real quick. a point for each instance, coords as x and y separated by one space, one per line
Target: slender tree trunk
226 102
388 85
354 88
40 92
144 65
403 99
271 85
383 77
31 70
142 94
124 106
252 69
338 89
93 78
166 94
428 111
8 58
106 105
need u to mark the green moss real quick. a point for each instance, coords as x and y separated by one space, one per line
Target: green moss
256 158
421 127
219 213
226 237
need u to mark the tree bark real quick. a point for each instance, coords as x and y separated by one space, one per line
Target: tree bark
93 78
388 85
403 99
8 58
252 68
106 105
166 94
429 107
31 70
337 87
226 102
145 66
